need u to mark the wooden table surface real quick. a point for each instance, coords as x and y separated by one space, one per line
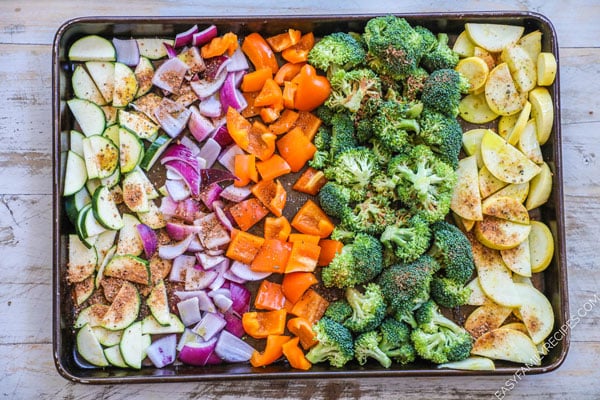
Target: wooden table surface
27 371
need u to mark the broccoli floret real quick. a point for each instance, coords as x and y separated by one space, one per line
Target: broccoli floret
449 293
359 262
349 89
338 49
423 182
391 126
406 286
343 235
429 39
339 311
438 338
452 250
395 341
335 344
441 56
442 134
382 152
413 85
364 130
325 114
442 91
322 142
395 48
342 134
367 346
368 308
408 239
370 216
335 199
354 169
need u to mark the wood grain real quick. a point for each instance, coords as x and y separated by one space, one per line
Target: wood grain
27 30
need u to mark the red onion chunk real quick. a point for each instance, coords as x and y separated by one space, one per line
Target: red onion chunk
198 279
213 175
210 194
171 52
210 152
195 245
205 303
215 252
227 157
177 231
168 207
212 235
180 265
221 135
189 312
188 337
191 57
170 74
220 279
172 175
222 216
222 302
229 94
240 296
171 251
197 354
239 62
127 50
210 107
237 78
207 87
235 193
230 276
209 262
162 351
210 325
185 38
188 173
204 36
199 126
177 189
188 210
214 359
190 144
234 324
179 152
149 239
243 271
230 348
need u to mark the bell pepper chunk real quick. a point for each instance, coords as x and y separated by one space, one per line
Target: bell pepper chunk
312 220
299 52
295 356
272 256
277 228
270 94
296 149
248 212
329 249
287 72
228 43
284 123
270 296
302 329
304 257
311 306
272 352
255 80
309 123
243 246
295 284
245 169
260 324
284 40
311 89
259 52
272 194
303 237
255 138
310 182
273 167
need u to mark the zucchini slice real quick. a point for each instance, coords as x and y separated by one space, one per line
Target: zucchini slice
112 132
103 75
135 191
75 174
130 268
110 113
144 72
129 238
100 274
92 47
113 355
154 218
84 86
158 303
89 116
101 156
151 326
83 290
137 123
91 315
82 260
154 48
89 347
124 309
107 338
157 147
131 345
91 226
105 209
76 142
126 85
80 227
131 150
74 204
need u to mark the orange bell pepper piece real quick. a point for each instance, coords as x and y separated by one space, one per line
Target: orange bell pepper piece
310 182
309 123
311 306
219 45
239 128
270 114
312 89
251 110
299 52
270 296
253 138
270 95
259 52
295 284
273 351
289 94
272 256
293 353
303 330
304 257
311 219
248 212
296 149
243 246
245 169
284 40
329 249
255 80
287 72
273 167
277 228
271 194
284 123
260 324
303 237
